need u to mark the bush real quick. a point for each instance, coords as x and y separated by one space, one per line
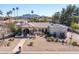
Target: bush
11 40
62 36
41 35
8 44
74 43
48 40
30 44
52 40
74 25
47 34
56 40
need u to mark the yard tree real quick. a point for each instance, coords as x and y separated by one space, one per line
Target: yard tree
66 15
56 17
12 27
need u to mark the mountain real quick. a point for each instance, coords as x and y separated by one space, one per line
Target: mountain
30 15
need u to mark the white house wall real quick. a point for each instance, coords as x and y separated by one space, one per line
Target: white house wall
57 29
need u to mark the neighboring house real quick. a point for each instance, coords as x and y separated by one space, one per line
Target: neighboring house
57 29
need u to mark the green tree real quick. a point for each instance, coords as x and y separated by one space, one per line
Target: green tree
12 27
70 10
9 13
67 14
75 25
62 17
56 17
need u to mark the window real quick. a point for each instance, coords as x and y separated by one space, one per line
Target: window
54 34
35 30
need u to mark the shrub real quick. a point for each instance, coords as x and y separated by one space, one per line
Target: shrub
41 35
48 40
8 44
74 26
62 36
74 43
47 34
30 44
56 40
11 40
52 39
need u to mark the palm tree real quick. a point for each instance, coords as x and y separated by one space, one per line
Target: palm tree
32 11
32 14
9 13
1 13
14 11
17 10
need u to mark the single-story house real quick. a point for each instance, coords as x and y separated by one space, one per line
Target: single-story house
39 27
57 30
33 27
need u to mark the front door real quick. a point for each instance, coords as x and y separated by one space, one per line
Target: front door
25 32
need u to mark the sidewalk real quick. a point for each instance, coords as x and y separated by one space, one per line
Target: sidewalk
22 41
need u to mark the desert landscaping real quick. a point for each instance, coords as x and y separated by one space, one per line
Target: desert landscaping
36 32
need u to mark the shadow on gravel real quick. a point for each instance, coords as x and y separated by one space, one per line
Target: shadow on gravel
18 52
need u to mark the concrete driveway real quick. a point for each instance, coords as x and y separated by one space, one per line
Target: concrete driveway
74 36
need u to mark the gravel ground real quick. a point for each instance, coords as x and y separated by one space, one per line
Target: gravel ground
41 45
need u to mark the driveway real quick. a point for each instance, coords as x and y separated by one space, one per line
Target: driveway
74 36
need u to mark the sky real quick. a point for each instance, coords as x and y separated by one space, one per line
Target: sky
40 9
